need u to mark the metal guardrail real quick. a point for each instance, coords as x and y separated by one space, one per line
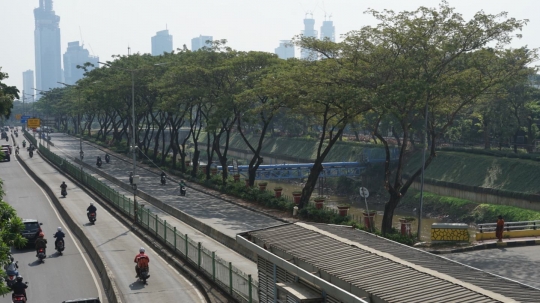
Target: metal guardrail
229 278
509 226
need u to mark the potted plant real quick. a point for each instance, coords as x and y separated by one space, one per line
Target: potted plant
247 182
343 209
236 177
296 196
262 185
277 191
213 170
406 225
319 202
187 162
369 219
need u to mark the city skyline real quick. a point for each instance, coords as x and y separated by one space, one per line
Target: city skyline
237 21
162 42
77 55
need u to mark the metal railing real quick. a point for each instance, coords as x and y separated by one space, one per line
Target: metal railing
238 284
509 226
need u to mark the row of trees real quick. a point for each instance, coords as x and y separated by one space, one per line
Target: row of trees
7 95
430 60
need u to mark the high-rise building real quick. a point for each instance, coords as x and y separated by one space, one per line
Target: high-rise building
77 55
200 42
47 46
28 85
309 31
162 43
285 49
328 31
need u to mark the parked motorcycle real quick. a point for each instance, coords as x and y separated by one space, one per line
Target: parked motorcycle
92 218
41 254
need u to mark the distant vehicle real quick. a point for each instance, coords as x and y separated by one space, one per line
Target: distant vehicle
6 150
31 230
4 135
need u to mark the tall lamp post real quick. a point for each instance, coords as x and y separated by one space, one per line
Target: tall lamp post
423 171
133 132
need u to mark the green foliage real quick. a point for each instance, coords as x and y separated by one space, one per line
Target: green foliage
7 95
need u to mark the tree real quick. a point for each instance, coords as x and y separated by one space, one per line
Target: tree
7 95
431 58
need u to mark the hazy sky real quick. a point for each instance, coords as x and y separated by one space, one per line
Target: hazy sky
108 27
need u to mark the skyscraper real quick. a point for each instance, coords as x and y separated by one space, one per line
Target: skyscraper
285 49
328 31
77 55
47 46
28 85
309 31
162 43
200 42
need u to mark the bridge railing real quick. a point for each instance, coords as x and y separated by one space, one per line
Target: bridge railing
510 226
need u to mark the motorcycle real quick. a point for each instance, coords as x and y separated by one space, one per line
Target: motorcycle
24 144
92 218
17 135
163 180
81 155
11 277
182 191
31 153
98 162
60 247
143 276
19 298
41 255
63 193
107 158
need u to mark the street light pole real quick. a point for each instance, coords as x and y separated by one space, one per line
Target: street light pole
423 169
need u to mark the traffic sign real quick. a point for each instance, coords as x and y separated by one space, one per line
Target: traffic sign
25 117
364 193
33 123
18 117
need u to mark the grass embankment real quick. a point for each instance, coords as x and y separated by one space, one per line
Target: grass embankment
510 174
460 210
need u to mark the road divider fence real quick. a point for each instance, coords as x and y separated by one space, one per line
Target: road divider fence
229 278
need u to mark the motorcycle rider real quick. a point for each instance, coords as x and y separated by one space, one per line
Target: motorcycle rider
183 187
142 261
98 161
107 158
131 178
41 242
12 268
19 288
90 209
59 237
163 175
17 150
24 143
63 186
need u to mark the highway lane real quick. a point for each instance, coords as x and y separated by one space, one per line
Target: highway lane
227 217
516 263
60 278
118 246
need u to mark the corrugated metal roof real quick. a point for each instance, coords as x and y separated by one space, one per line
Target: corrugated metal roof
388 270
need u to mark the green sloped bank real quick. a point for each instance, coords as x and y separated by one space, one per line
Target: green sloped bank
510 174
460 210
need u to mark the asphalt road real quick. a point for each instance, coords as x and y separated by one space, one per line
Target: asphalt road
118 246
516 263
60 278
228 218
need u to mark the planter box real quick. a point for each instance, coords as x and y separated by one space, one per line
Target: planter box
296 198
343 210
277 192
405 227
319 203
236 178
262 186
369 220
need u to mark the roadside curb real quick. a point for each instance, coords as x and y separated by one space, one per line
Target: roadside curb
156 244
107 277
486 246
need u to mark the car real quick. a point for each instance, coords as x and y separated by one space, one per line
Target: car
6 150
32 227
4 135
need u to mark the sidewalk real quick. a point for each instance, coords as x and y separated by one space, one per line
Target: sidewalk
489 244
168 192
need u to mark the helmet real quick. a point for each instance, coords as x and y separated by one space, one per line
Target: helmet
59 228
91 203
63 182
141 250
41 235
19 278
11 258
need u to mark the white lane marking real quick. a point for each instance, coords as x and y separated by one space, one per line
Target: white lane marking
203 299
67 229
